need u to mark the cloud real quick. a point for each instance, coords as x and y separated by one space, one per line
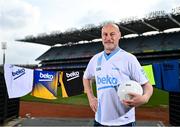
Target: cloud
17 14
19 18
115 10
94 17
24 53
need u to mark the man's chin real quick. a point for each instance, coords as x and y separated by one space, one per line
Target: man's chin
109 48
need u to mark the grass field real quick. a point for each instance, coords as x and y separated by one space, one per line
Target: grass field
159 98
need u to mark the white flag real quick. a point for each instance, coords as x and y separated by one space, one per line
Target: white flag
19 81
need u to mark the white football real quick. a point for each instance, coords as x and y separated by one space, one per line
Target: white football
129 87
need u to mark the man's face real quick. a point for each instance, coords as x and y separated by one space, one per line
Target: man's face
110 37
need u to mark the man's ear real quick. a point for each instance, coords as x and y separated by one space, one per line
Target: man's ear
119 35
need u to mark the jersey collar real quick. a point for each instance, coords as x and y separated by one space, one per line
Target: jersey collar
111 54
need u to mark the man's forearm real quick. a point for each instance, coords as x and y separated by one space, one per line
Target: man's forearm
148 91
88 88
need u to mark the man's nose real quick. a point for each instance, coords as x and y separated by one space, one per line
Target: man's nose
108 37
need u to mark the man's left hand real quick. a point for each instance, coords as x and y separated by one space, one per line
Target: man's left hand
135 101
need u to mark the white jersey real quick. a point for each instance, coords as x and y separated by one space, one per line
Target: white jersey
19 81
110 71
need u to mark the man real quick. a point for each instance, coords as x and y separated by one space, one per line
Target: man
110 68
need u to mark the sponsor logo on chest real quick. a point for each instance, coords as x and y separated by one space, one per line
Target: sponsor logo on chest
106 80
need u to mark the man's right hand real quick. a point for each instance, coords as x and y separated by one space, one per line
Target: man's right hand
93 103
92 99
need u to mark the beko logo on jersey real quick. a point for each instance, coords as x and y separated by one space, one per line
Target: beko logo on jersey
18 73
106 80
45 77
72 75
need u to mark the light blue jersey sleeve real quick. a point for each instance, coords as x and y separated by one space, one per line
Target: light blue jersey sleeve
136 71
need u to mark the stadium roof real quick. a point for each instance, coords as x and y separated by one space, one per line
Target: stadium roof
155 21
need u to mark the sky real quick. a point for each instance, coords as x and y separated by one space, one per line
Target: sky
19 18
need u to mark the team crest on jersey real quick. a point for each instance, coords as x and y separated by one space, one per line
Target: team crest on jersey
98 68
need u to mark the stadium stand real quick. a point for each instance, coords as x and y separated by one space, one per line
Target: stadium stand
78 51
156 47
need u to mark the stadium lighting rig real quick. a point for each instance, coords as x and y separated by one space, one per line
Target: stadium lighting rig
4 47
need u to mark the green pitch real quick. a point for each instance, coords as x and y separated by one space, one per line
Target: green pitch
159 98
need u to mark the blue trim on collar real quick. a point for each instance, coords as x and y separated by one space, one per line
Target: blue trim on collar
99 61
111 54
